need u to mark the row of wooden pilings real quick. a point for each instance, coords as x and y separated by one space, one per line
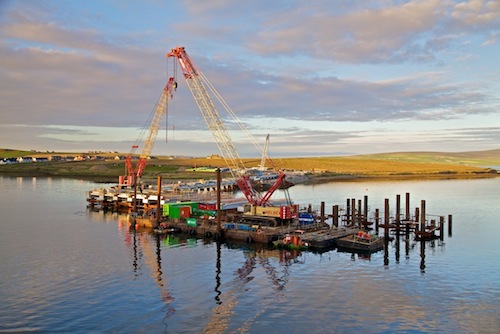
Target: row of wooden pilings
356 213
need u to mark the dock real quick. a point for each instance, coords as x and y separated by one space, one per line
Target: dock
222 217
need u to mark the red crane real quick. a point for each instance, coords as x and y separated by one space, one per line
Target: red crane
198 84
133 175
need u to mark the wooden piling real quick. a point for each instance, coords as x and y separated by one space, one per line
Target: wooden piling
398 211
322 213
441 227
365 209
386 218
158 204
376 220
417 215
353 211
348 211
135 196
407 207
422 215
449 225
360 217
335 214
219 218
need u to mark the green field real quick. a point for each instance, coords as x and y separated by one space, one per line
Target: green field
476 158
408 164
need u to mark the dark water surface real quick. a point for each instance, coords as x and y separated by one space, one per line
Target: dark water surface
64 269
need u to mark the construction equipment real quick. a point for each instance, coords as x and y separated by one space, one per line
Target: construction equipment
133 175
265 155
198 85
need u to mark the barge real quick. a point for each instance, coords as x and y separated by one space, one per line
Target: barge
361 241
291 242
326 237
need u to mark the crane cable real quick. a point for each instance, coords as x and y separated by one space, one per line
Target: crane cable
142 132
233 115
169 101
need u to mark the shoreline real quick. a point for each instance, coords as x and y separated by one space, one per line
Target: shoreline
314 179
358 178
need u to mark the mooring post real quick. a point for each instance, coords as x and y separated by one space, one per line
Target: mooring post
365 209
335 214
353 211
158 204
449 225
417 215
135 196
422 215
360 216
322 213
348 211
407 207
219 218
376 220
386 218
441 227
398 211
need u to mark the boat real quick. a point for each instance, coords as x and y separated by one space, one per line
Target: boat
362 241
325 237
256 228
291 242
165 229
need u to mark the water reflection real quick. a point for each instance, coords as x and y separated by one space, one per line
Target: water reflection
255 253
148 249
217 274
87 272
422 256
255 256
230 297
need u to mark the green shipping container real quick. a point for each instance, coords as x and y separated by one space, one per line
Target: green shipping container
193 205
179 211
168 207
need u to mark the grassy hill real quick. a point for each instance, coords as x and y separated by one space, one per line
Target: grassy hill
474 158
400 164
7 153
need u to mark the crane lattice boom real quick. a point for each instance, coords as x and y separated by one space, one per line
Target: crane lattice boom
197 83
160 110
208 110
262 165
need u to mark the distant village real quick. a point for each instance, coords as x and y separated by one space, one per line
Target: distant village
53 158
39 157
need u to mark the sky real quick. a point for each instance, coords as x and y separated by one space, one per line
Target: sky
322 78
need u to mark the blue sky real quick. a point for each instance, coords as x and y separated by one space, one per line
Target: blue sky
322 78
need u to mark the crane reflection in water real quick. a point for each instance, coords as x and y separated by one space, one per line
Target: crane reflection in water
147 248
255 255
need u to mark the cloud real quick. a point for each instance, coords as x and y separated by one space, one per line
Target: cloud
492 39
61 71
476 13
356 62
400 32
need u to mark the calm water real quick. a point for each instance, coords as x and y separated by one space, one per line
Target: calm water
65 269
